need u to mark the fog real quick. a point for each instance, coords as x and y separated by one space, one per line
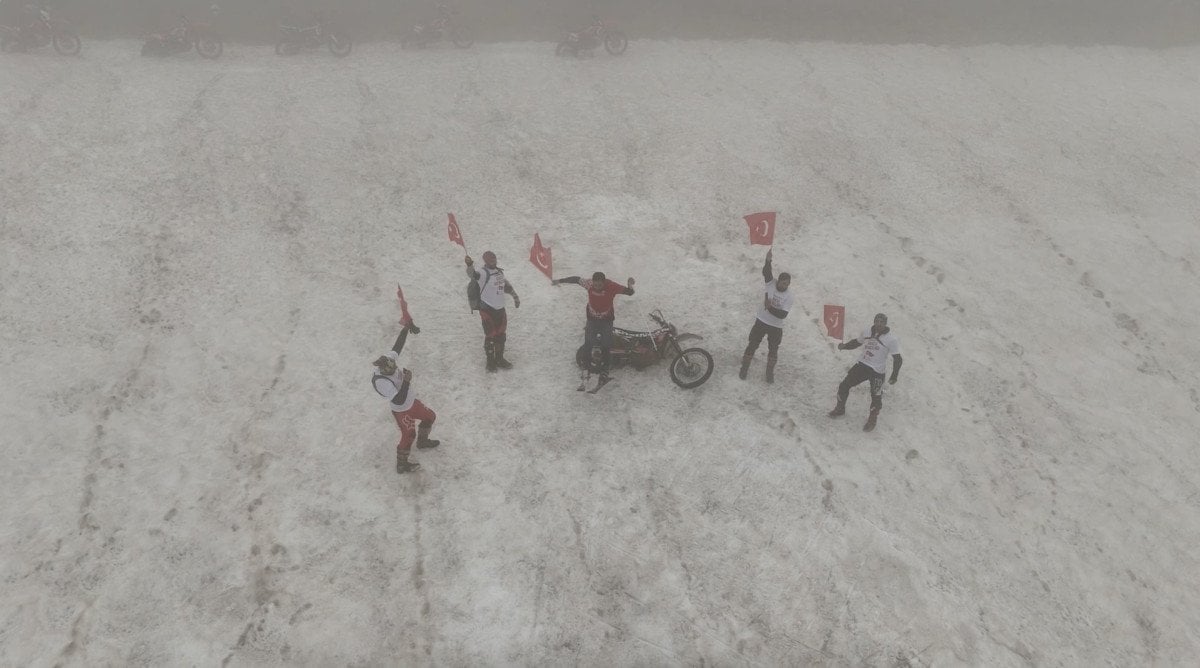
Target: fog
199 259
1154 23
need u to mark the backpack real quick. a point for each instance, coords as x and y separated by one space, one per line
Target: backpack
474 290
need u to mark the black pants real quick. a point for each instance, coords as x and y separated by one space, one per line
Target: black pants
857 374
495 326
599 333
757 332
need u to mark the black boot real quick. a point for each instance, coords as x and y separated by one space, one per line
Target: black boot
402 463
423 440
745 366
839 410
771 369
871 420
501 363
490 350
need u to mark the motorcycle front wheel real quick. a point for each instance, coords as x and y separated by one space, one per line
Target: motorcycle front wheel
691 368
67 43
615 42
340 45
209 47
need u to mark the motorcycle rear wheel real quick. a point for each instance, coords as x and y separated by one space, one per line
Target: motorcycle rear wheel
691 368
340 45
209 47
615 42
67 43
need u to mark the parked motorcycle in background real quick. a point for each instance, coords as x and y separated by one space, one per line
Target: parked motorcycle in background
186 35
584 42
39 28
293 38
445 27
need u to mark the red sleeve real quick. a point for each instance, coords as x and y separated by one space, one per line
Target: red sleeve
613 288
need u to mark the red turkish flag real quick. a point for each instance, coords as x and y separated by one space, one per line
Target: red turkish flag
539 255
454 232
762 228
405 318
835 319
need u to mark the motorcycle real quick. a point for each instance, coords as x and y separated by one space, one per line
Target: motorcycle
689 367
292 38
183 37
40 29
444 27
585 41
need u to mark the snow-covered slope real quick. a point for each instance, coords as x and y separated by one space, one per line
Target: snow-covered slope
198 260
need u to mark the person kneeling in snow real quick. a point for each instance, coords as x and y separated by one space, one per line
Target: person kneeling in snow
412 417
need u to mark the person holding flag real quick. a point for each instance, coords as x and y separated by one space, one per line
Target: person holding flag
878 343
413 418
776 304
601 313
492 288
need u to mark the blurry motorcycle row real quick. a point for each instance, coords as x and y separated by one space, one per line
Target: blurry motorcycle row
38 26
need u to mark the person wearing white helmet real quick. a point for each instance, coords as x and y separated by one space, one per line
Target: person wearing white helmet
878 344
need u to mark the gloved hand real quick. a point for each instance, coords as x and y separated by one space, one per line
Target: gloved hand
842 346
516 302
893 380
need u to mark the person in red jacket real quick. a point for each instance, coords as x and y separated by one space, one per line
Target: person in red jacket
600 311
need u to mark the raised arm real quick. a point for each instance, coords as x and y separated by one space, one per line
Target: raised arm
471 273
399 344
767 275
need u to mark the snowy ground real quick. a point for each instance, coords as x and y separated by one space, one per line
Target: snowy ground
198 260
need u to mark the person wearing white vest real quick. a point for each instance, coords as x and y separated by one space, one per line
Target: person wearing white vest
413 418
777 302
492 287
878 344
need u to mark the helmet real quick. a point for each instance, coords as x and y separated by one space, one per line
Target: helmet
386 365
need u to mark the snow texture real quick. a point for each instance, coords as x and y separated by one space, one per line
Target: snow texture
198 263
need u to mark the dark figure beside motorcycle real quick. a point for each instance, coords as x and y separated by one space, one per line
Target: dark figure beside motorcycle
37 27
293 36
443 25
185 36
584 42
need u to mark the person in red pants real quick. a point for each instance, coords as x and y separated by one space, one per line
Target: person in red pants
414 419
